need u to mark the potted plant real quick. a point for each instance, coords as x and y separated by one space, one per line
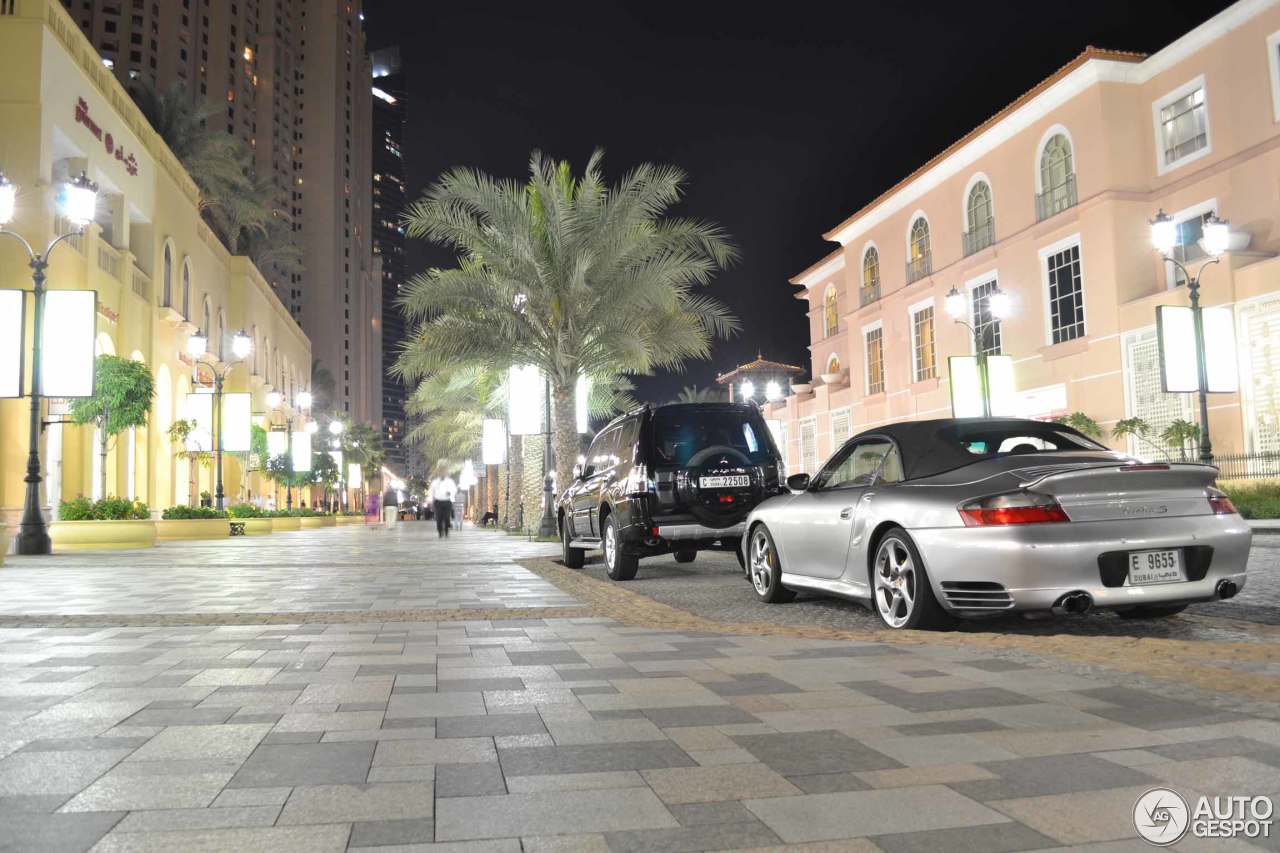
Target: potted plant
255 523
122 393
109 523
192 522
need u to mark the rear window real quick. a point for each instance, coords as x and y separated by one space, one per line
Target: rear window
993 441
679 435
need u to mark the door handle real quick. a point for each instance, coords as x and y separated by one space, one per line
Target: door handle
846 513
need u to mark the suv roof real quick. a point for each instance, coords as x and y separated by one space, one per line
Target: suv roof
666 407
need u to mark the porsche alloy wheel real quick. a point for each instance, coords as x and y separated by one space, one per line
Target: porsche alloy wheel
900 586
765 570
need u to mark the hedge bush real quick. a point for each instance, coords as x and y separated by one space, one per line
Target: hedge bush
109 508
244 511
296 512
1257 501
191 512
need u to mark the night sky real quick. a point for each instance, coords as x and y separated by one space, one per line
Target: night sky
787 117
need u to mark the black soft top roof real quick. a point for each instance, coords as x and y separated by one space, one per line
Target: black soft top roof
935 446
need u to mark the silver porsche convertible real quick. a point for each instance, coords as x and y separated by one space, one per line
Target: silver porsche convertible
927 520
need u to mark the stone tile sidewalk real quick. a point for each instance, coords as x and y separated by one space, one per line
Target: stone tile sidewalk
559 734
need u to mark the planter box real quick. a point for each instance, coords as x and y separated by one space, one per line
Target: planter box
171 529
344 520
286 523
311 522
100 535
255 526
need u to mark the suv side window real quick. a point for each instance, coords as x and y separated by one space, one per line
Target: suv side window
865 463
628 432
603 453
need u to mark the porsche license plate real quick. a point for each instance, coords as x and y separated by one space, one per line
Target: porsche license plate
734 482
1155 567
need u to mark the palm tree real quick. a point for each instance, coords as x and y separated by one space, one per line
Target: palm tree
565 273
1081 422
1179 433
694 394
1140 430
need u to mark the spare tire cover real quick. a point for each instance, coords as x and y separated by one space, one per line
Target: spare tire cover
720 486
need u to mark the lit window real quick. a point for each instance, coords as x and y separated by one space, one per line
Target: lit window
874 346
831 312
985 325
1066 294
1182 125
923 346
248 53
870 276
919 256
980 219
1057 177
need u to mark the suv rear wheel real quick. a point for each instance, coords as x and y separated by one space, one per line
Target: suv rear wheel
620 565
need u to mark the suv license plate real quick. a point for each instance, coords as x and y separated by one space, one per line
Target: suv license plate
739 481
1155 567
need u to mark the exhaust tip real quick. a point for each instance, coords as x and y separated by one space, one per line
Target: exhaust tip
1076 603
1227 589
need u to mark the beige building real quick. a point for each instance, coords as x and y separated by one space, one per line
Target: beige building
1050 200
158 270
296 81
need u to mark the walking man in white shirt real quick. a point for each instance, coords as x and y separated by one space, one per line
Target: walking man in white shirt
443 489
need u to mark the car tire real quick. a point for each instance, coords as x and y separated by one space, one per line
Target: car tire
686 556
573 557
902 596
1152 611
618 564
764 568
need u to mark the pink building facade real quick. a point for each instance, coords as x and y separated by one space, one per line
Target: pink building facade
1050 200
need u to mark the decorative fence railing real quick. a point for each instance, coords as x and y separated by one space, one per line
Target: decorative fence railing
1245 466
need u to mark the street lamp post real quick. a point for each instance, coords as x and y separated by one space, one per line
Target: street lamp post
998 308
1217 236
303 401
335 443
198 348
80 201
547 528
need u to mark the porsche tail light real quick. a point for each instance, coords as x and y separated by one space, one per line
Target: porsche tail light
1220 503
1012 508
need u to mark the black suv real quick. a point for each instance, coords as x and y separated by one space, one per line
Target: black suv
679 478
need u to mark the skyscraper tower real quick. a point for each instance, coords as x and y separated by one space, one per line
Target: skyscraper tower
389 108
296 83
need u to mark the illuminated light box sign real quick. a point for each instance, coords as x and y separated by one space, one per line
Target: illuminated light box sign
1176 332
493 444
355 474
524 400
966 386
13 341
199 410
68 334
301 451
277 443
582 394
237 423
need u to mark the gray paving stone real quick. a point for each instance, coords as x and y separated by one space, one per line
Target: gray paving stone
828 783
994 838
165 820
76 744
450 685
552 658
180 717
807 753
705 814
704 715
993 664
1150 711
37 803
597 674
593 758
1220 748
273 839
949 727
458 704
352 803
64 833
469 780
219 743
62 772
721 836
387 833
943 700
288 765
550 813
1059 774
825 817
489 725
751 685
151 785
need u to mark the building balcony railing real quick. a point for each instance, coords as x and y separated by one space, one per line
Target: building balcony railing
870 293
1056 199
979 237
109 260
62 225
141 284
918 268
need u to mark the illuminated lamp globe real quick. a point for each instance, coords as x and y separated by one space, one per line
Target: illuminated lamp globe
1164 233
197 344
274 399
1217 236
772 391
304 399
335 427
955 304
80 201
999 304
313 427
8 200
748 389
241 344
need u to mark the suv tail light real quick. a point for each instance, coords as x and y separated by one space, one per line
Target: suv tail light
638 482
1012 508
1220 503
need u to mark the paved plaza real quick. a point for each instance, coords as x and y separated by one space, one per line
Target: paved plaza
387 691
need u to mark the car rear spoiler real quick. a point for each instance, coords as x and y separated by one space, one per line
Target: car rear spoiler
1118 478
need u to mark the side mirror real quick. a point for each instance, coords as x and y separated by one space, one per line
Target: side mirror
798 482
587 471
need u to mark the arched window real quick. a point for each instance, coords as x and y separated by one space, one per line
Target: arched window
254 354
981 221
833 364
919 257
166 273
870 276
224 345
206 327
830 312
1057 177
186 292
